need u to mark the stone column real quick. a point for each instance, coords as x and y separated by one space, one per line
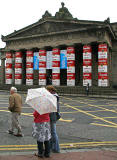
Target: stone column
18 68
2 73
56 67
42 67
70 66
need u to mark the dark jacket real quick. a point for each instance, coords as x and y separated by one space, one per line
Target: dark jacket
53 116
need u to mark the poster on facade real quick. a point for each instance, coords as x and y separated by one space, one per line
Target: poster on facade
103 75
49 59
70 56
55 82
8 70
55 64
18 81
35 61
9 60
9 81
87 69
18 70
70 63
29 81
29 65
87 62
29 70
56 70
70 82
42 64
42 82
63 59
18 60
70 69
42 70
102 55
102 61
87 55
103 82
102 68
86 81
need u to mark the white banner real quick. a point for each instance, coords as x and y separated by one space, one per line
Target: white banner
103 82
29 81
56 70
42 58
87 55
8 81
71 82
29 70
70 69
8 70
18 70
18 81
102 68
55 82
87 69
9 60
86 81
102 55
49 60
71 56
42 70
18 60
42 82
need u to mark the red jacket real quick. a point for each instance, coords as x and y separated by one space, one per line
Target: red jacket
41 118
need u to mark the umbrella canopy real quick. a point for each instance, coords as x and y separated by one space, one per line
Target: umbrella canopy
41 100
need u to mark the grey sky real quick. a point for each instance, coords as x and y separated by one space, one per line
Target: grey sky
16 14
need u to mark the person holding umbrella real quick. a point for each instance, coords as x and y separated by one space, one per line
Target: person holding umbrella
54 116
43 103
42 133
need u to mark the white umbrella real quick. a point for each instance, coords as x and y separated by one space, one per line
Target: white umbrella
41 100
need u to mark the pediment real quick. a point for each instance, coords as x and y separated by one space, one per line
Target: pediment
42 28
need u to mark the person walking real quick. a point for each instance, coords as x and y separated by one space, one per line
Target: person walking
54 116
15 106
87 89
41 131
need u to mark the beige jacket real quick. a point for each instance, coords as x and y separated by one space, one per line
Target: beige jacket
15 103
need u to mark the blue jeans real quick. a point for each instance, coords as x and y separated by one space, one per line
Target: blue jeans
54 142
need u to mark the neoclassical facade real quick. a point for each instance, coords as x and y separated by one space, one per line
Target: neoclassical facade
61 50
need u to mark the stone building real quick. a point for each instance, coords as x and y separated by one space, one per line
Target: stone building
70 51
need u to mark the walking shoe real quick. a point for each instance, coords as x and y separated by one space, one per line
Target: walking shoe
10 132
39 155
54 151
19 135
47 155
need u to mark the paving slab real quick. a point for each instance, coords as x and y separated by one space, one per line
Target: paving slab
84 155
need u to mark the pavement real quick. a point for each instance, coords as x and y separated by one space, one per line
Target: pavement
67 154
78 154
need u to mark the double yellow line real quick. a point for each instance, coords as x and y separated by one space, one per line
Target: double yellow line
62 146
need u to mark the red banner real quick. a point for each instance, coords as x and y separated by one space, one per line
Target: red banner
8 76
70 50
70 76
42 75
29 53
42 53
29 65
18 54
29 76
55 76
8 65
18 76
8 55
